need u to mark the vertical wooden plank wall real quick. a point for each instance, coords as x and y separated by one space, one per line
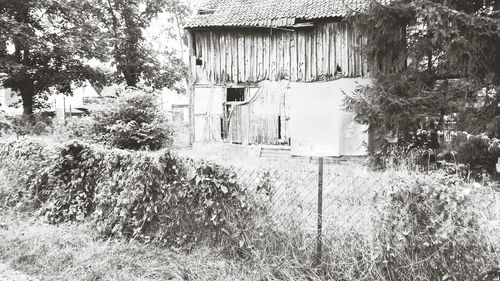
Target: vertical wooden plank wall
191 81
235 56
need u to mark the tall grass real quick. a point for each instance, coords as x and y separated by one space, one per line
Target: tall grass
73 252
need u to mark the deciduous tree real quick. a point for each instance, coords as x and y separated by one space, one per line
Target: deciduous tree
135 60
44 45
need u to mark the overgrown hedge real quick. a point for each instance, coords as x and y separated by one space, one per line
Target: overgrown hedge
431 230
152 197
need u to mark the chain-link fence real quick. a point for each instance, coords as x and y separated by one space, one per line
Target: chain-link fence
334 210
343 204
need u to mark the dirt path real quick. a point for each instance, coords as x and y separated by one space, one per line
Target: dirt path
8 274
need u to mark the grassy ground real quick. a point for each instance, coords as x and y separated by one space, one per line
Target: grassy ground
71 252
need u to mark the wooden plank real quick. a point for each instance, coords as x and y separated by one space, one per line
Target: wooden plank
250 45
210 58
220 57
279 55
313 60
345 51
202 51
348 51
241 57
266 48
227 49
206 57
335 39
354 53
258 56
191 81
351 52
293 57
216 54
357 62
301 56
286 55
364 58
247 54
264 58
222 50
272 56
319 53
340 53
198 52
326 52
341 47
214 57
307 59
255 57
234 57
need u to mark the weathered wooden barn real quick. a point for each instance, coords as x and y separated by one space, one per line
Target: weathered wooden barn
275 72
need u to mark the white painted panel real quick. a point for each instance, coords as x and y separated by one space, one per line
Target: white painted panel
208 108
209 100
319 125
199 128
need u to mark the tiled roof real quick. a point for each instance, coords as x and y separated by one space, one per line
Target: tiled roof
271 13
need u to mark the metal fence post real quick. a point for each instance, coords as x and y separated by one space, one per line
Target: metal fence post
319 245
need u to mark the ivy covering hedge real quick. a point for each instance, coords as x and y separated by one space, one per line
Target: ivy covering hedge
431 228
152 197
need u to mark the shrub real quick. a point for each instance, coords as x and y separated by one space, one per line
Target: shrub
20 162
68 183
132 121
175 211
36 124
136 195
5 124
472 156
430 231
475 152
74 128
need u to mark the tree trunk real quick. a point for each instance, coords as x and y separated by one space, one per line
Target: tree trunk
131 69
27 94
130 75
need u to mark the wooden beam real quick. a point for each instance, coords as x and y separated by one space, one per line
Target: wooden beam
191 80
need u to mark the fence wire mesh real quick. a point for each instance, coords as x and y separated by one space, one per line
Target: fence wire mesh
349 199
352 198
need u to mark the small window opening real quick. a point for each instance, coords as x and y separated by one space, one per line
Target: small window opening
199 61
339 69
235 94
